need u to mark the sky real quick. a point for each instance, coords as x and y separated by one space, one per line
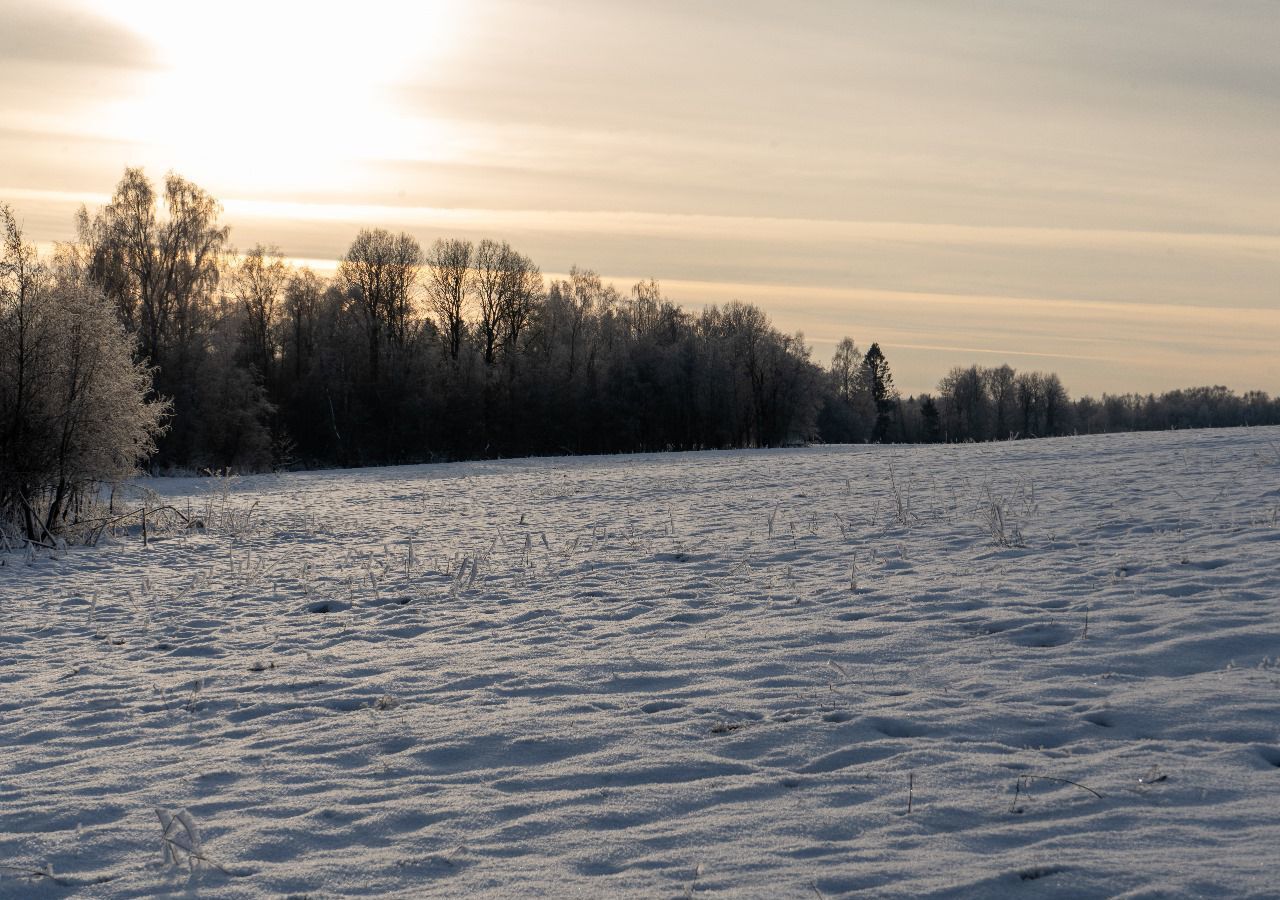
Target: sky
1089 188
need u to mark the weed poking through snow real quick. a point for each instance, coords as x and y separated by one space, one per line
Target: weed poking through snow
180 842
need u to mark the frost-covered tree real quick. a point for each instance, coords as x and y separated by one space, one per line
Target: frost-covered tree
966 405
1002 388
848 411
159 257
74 406
845 363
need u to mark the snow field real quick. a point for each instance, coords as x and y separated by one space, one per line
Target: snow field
713 674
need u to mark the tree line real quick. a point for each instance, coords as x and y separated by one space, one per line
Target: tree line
989 404
148 337
410 353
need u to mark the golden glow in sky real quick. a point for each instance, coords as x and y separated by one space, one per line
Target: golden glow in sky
1089 188
279 96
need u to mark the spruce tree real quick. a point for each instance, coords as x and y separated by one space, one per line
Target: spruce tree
879 384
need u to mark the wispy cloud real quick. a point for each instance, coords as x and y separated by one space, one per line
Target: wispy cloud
1090 183
66 36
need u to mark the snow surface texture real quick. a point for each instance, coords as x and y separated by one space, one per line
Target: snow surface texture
1038 669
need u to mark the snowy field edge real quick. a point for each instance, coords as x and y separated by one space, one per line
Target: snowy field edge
1035 669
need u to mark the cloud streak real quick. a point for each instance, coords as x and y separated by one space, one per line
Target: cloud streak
1092 185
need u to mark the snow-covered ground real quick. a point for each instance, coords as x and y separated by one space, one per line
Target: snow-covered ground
1041 669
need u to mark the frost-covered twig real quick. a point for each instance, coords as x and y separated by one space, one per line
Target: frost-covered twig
45 871
180 840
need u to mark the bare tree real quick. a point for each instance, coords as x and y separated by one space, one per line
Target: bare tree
451 279
302 296
856 410
844 368
1029 393
745 330
489 279
1002 389
258 281
650 314
380 271
645 307
158 272
1057 408
505 284
521 290
22 361
966 405
587 298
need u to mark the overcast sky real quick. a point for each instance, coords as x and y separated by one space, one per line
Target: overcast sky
1087 187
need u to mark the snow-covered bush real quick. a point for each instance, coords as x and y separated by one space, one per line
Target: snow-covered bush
75 410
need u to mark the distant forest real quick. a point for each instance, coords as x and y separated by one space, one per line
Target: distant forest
464 350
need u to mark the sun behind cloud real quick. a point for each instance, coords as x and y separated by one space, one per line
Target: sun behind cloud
278 97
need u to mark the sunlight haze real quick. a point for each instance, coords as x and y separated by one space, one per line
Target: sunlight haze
1087 188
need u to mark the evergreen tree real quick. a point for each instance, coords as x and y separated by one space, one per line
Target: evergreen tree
878 382
932 425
